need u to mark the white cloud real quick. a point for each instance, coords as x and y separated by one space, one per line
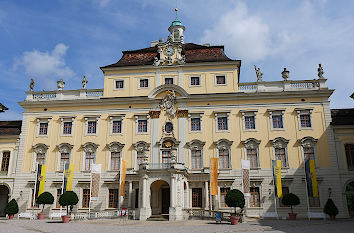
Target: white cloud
47 66
243 34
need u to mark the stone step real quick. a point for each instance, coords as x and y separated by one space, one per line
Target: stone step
158 218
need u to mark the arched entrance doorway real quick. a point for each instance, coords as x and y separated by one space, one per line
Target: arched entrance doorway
160 198
4 196
349 192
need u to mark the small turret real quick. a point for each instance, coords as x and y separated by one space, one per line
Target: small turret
177 29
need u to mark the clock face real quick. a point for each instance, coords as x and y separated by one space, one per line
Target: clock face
169 51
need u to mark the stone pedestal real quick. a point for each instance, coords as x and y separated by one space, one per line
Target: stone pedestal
144 213
175 213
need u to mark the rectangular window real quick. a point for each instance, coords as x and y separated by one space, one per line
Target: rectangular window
43 128
142 126
195 81
277 121
140 157
255 200
144 83
67 128
5 161
57 205
220 80
89 160
168 80
115 160
197 196
113 198
40 158
224 158
91 127
196 159
305 120
35 201
166 159
64 159
281 155
285 190
349 153
195 124
119 84
117 126
222 123
250 122
252 156
86 198
223 192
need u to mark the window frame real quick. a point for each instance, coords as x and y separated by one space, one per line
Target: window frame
304 111
115 200
224 144
148 83
66 119
8 159
82 198
45 120
195 116
252 144
88 147
39 148
142 117
143 147
199 80
281 143
173 81
345 155
91 119
115 84
216 82
220 115
113 118
276 112
259 196
249 113
199 199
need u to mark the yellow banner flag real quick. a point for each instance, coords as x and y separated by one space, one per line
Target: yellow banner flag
68 177
41 172
214 175
122 176
277 178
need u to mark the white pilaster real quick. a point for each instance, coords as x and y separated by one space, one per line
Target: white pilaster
206 187
154 153
182 136
130 195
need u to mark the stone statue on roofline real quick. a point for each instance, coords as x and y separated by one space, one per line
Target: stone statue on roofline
320 71
60 84
285 74
84 82
31 84
259 74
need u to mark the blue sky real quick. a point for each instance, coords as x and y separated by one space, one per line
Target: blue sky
49 40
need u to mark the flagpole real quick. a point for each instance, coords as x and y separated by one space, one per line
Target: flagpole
34 191
120 180
274 186
307 192
89 211
62 188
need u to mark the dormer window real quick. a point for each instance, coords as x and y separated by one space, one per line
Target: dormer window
119 84
220 80
195 81
144 83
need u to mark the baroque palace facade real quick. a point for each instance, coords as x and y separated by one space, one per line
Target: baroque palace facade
166 110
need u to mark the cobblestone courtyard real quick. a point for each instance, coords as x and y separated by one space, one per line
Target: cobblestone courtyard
110 225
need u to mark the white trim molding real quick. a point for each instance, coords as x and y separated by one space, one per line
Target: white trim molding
252 143
224 144
43 120
304 111
195 115
113 118
219 114
65 119
276 112
92 118
249 113
139 117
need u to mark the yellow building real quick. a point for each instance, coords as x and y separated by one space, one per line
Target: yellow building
166 110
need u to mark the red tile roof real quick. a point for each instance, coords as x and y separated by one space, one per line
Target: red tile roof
10 127
194 53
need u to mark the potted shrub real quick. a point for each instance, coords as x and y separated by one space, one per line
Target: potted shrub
43 199
11 208
68 199
235 198
331 209
291 200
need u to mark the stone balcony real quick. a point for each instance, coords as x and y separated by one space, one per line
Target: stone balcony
286 85
64 95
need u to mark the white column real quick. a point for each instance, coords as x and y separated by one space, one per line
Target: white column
154 152
206 187
173 191
144 193
130 195
187 204
182 136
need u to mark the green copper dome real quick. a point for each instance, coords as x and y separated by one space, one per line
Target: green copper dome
176 22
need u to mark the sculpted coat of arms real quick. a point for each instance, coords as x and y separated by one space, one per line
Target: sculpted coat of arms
168 104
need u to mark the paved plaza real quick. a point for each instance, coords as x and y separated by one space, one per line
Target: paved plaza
111 225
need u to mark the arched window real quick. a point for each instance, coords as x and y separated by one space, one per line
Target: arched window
64 155
280 151
196 153
349 153
308 147
115 150
40 151
90 149
141 149
223 147
251 151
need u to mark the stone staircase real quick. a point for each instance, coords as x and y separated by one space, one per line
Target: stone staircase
158 217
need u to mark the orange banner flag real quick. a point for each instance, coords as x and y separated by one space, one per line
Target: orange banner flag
214 175
123 173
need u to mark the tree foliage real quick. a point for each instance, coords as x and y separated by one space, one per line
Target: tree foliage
330 208
45 198
235 198
69 198
11 207
290 200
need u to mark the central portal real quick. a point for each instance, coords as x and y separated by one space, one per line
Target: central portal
160 197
